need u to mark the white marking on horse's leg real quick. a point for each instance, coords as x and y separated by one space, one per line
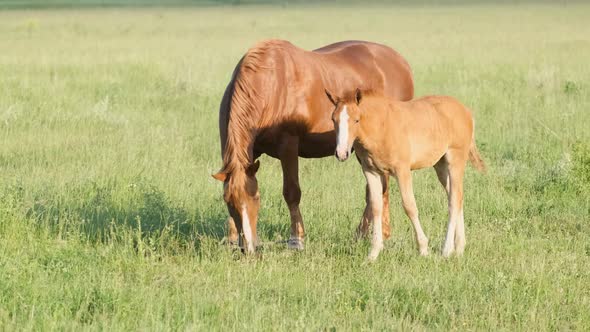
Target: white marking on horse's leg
460 235
342 139
376 202
247 230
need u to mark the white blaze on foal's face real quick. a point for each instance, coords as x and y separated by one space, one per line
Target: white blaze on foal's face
346 118
346 122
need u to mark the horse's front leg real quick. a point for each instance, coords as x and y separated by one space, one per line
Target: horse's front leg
232 232
363 228
289 156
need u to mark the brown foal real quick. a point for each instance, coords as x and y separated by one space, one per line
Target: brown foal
393 138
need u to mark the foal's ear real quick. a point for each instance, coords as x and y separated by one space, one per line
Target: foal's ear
221 176
333 100
253 168
358 95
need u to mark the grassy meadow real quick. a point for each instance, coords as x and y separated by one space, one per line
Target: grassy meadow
109 218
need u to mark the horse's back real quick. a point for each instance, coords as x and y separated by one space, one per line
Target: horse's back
455 115
449 106
388 70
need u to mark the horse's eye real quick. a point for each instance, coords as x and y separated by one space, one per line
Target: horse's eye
357 120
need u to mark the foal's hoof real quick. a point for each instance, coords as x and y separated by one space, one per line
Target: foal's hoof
373 256
295 243
447 252
423 246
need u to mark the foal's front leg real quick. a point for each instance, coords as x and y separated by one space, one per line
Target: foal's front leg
363 228
375 194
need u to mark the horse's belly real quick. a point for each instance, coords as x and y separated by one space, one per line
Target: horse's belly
311 145
427 156
317 145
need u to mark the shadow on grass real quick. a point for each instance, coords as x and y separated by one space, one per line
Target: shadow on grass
139 212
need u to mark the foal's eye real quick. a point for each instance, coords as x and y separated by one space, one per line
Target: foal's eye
357 121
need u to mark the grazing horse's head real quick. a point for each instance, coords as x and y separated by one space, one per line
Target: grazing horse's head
240 193
346 118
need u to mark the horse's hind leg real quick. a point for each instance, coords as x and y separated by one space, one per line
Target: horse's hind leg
288 154
455 238
404 180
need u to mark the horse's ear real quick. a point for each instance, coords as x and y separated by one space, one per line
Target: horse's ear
221 176
331 97
253 168
358 95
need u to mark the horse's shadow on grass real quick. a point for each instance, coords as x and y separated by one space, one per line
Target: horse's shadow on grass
145 214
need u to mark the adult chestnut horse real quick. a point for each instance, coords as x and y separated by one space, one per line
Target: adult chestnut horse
275 104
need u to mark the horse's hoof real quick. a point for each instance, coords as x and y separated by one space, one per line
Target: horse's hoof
230 243
295 243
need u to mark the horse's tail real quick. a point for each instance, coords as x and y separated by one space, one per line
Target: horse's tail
474 155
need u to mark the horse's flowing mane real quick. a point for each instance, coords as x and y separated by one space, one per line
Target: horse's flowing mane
247 106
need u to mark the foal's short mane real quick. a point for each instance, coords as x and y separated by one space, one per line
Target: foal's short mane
246 108
350 96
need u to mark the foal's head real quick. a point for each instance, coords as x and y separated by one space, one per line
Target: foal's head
346 118
241 195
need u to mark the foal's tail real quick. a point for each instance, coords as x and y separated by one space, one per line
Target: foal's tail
475 157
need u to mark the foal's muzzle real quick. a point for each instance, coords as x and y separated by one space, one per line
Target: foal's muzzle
342 155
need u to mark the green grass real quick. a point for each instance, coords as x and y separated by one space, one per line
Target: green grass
109 218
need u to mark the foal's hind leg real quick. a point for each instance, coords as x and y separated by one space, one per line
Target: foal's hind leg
404 180
289 156
442 172
455 238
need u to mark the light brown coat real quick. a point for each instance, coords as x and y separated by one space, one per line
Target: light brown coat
393 138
